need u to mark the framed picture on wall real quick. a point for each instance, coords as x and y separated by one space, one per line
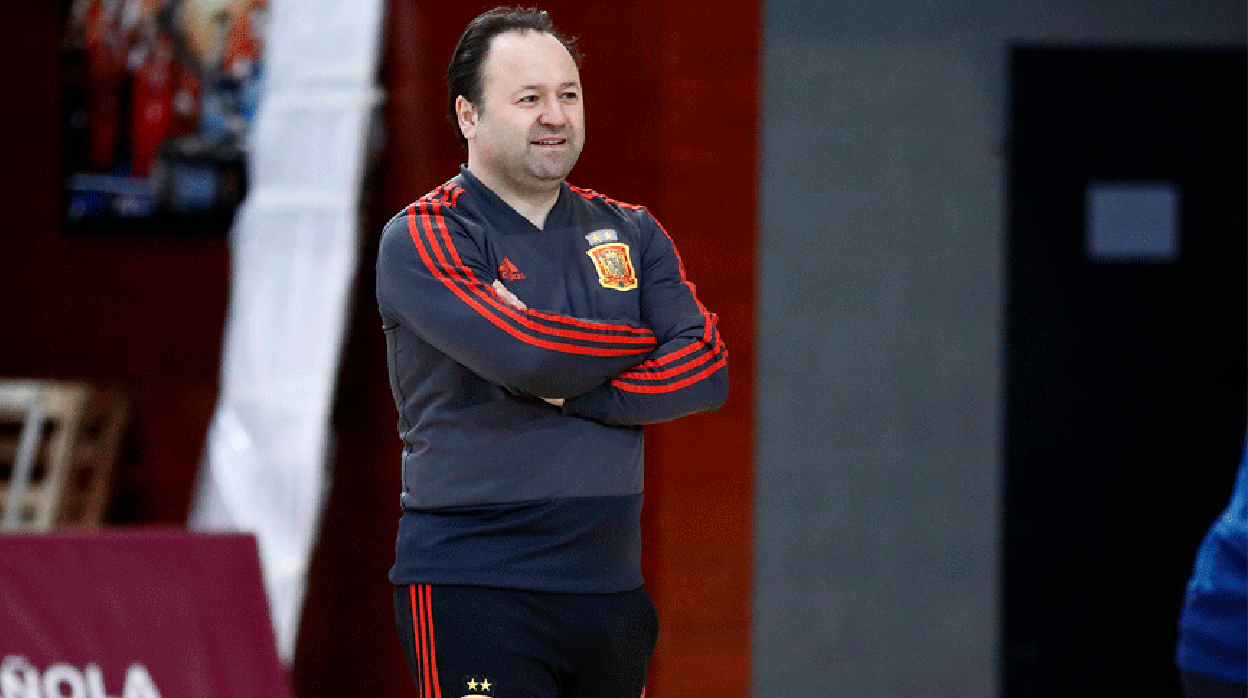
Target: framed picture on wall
158 98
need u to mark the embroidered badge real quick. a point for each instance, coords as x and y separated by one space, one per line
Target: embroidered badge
602 235
615 268
478 687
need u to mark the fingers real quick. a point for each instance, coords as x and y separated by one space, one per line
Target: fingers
508 297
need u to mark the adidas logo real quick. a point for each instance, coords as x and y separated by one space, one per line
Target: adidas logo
508 271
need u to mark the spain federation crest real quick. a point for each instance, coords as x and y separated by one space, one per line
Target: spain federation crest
615 267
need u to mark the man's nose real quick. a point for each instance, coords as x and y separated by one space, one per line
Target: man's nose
553 114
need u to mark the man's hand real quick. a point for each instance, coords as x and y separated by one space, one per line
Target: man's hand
508 297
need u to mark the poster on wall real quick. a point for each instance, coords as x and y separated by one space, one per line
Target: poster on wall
158 98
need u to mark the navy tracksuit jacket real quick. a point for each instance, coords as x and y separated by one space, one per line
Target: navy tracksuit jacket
499 487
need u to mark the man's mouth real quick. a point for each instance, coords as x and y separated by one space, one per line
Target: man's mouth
553 141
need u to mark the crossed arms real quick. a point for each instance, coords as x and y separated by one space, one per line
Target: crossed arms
616 371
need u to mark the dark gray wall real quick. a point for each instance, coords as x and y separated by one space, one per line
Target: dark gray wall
879 408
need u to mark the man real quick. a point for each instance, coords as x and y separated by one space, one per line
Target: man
532 328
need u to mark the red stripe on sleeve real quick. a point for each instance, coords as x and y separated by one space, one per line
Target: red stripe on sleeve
593 326
672 387
459 269
680 264
591 194
676 370
663 360
640 370
440 272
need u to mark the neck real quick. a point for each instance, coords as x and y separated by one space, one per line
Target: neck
532 203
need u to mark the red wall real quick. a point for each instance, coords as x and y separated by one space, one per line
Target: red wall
672 99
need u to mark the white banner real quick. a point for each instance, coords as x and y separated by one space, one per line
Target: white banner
294 255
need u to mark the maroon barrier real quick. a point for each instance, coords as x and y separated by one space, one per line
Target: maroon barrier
135 614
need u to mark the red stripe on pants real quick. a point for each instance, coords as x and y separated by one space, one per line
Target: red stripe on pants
422 627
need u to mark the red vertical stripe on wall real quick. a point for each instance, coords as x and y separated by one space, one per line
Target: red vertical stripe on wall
702 467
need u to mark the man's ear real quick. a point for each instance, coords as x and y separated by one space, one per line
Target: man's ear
467 114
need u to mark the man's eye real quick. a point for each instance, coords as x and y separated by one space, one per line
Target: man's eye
529 99
571 95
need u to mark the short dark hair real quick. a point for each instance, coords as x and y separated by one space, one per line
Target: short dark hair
463 75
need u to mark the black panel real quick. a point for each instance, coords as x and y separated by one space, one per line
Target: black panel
1126 381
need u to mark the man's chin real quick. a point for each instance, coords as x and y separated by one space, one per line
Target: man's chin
553 166
551 174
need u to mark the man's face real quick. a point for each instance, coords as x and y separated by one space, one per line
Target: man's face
530 127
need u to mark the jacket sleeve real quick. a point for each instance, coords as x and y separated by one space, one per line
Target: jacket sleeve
434 278
688 372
